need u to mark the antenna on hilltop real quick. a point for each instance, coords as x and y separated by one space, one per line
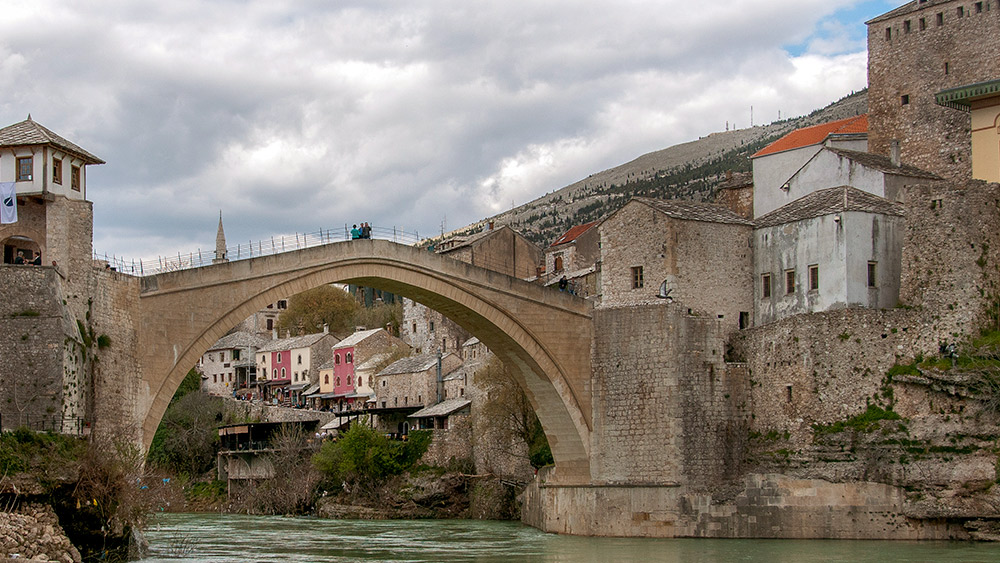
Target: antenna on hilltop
443 221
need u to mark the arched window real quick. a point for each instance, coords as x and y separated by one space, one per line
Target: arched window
265 373
300 359
350 380
350 357
282 373
338 382
336 359
326 379
279 357
369 381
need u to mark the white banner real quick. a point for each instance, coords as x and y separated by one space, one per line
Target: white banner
8 202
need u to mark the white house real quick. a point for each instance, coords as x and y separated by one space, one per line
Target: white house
834 248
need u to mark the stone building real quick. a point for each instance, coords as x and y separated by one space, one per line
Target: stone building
428 331
343 384
408 385
694 253
575 256
220 365
834 248
264 321
915 52
502 250
736 193
50 324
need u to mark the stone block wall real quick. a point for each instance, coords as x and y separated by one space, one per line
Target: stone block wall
42 352
453 444
667 408
707 265
115 376
910 59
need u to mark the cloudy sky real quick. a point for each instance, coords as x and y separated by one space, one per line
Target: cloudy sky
296 116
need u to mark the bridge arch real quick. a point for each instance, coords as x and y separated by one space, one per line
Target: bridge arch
542 335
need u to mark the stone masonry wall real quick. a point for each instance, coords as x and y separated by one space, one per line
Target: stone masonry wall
40 346
918 58
667 411
706 264
115 376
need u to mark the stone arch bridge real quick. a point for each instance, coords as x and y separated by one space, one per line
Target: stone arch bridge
543 336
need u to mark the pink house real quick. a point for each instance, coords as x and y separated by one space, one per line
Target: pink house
354 350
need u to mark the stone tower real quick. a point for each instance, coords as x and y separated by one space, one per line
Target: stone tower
915 52
220 244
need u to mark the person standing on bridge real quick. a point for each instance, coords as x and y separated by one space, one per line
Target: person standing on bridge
366 230
355 233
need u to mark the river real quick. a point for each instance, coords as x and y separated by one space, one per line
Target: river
215 538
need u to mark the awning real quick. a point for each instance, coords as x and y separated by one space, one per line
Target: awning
276 383
312 389
444 408
297 387
336 423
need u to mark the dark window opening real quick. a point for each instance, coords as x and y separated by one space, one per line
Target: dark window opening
940 19
872 274
765 285
790 281
905 99
637 281
814 278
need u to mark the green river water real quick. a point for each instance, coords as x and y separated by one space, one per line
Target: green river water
234 538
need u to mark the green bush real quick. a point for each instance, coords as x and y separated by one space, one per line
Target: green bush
363 455
864 422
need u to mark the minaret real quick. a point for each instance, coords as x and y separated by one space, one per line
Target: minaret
220 244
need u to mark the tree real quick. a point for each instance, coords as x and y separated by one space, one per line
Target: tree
365 458
325 304
508 416
186 439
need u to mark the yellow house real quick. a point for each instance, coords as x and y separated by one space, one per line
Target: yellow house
982 100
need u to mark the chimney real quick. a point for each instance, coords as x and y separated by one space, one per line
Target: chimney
274 334
491 225
894 152
326 328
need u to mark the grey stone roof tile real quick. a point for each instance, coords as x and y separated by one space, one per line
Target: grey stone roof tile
28 132
694 210
829 201
883 164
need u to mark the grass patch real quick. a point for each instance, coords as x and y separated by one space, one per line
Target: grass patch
865 422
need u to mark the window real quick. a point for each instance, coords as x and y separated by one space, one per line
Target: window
814 277
888 34
74 178
282 304
414 328
765 285
872 274
349 358
559 264
265 373
283 376
904 99
326 379
336 359
300 359
215 378
979 7
236 353
338 382
946 69
350 380
279 357
270 324
906 26
960 11
940 19
432 326
24 166
923 24
383 383
790 281
56 170
636 277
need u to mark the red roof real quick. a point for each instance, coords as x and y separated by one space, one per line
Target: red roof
816 134
574 233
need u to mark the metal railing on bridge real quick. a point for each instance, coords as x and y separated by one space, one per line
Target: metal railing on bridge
252 249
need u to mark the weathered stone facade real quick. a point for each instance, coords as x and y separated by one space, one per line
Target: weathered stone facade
428 331
916 51
701 250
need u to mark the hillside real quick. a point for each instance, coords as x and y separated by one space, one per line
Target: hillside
690 170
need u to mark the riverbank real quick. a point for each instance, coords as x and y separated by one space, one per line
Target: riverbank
33 532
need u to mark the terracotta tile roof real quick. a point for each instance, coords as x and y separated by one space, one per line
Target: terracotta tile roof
816 134
827 202
694 210
28 132
574 233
